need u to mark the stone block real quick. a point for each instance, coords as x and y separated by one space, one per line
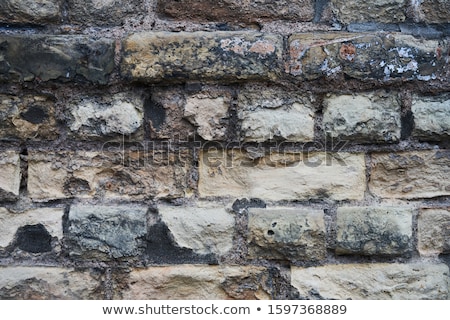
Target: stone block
410 174
289 233
374 230
278 176
230 56
38 57
368 118
375 281
106 232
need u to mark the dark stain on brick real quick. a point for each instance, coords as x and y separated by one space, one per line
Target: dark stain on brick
407 121
241 204
155 113
162 249
35 115
33 238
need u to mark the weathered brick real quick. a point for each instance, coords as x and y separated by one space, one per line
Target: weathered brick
122 174
289 176
29 117
238 11
33 228
293 234
104 232
10 175
190 282
111 115
385 11
382 57
410 174
102 12
373 281
209 115
431 117
434 232
374 230
275 114
157 56
49 283
39 12
366 117
434 11
202 228
37 57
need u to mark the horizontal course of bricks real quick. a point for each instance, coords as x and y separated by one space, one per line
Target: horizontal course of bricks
202 149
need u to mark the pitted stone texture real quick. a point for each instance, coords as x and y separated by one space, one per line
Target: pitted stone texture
40 12
63 58
275 114
113 173
27 117
119 114
289 176
384 57
103 12
49 283
434 11
431 117
374 230
104 232
373 281
209 115
371 117
10 175
238 11
229 56
292 234
204 229
49 218
410 174
190 282
434 231
385 11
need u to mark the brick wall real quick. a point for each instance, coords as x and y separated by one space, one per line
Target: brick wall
199 149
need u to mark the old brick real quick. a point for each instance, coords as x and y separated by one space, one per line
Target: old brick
293 234
100 116
385 11
410 174
374 230
134 175
371 117
373 281
434 11
48 57
49 283
383 56
209 115
103 12
237 11
197 282
157 56
289 176
202 228
434 231
27 118
103 232
431 117
10 175
38 12
48 218
275 114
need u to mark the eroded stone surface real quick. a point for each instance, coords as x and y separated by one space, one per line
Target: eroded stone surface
434 231
431 117
385 11
374 230
30 11
373 281
293 234
10 175
434 11
410 174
